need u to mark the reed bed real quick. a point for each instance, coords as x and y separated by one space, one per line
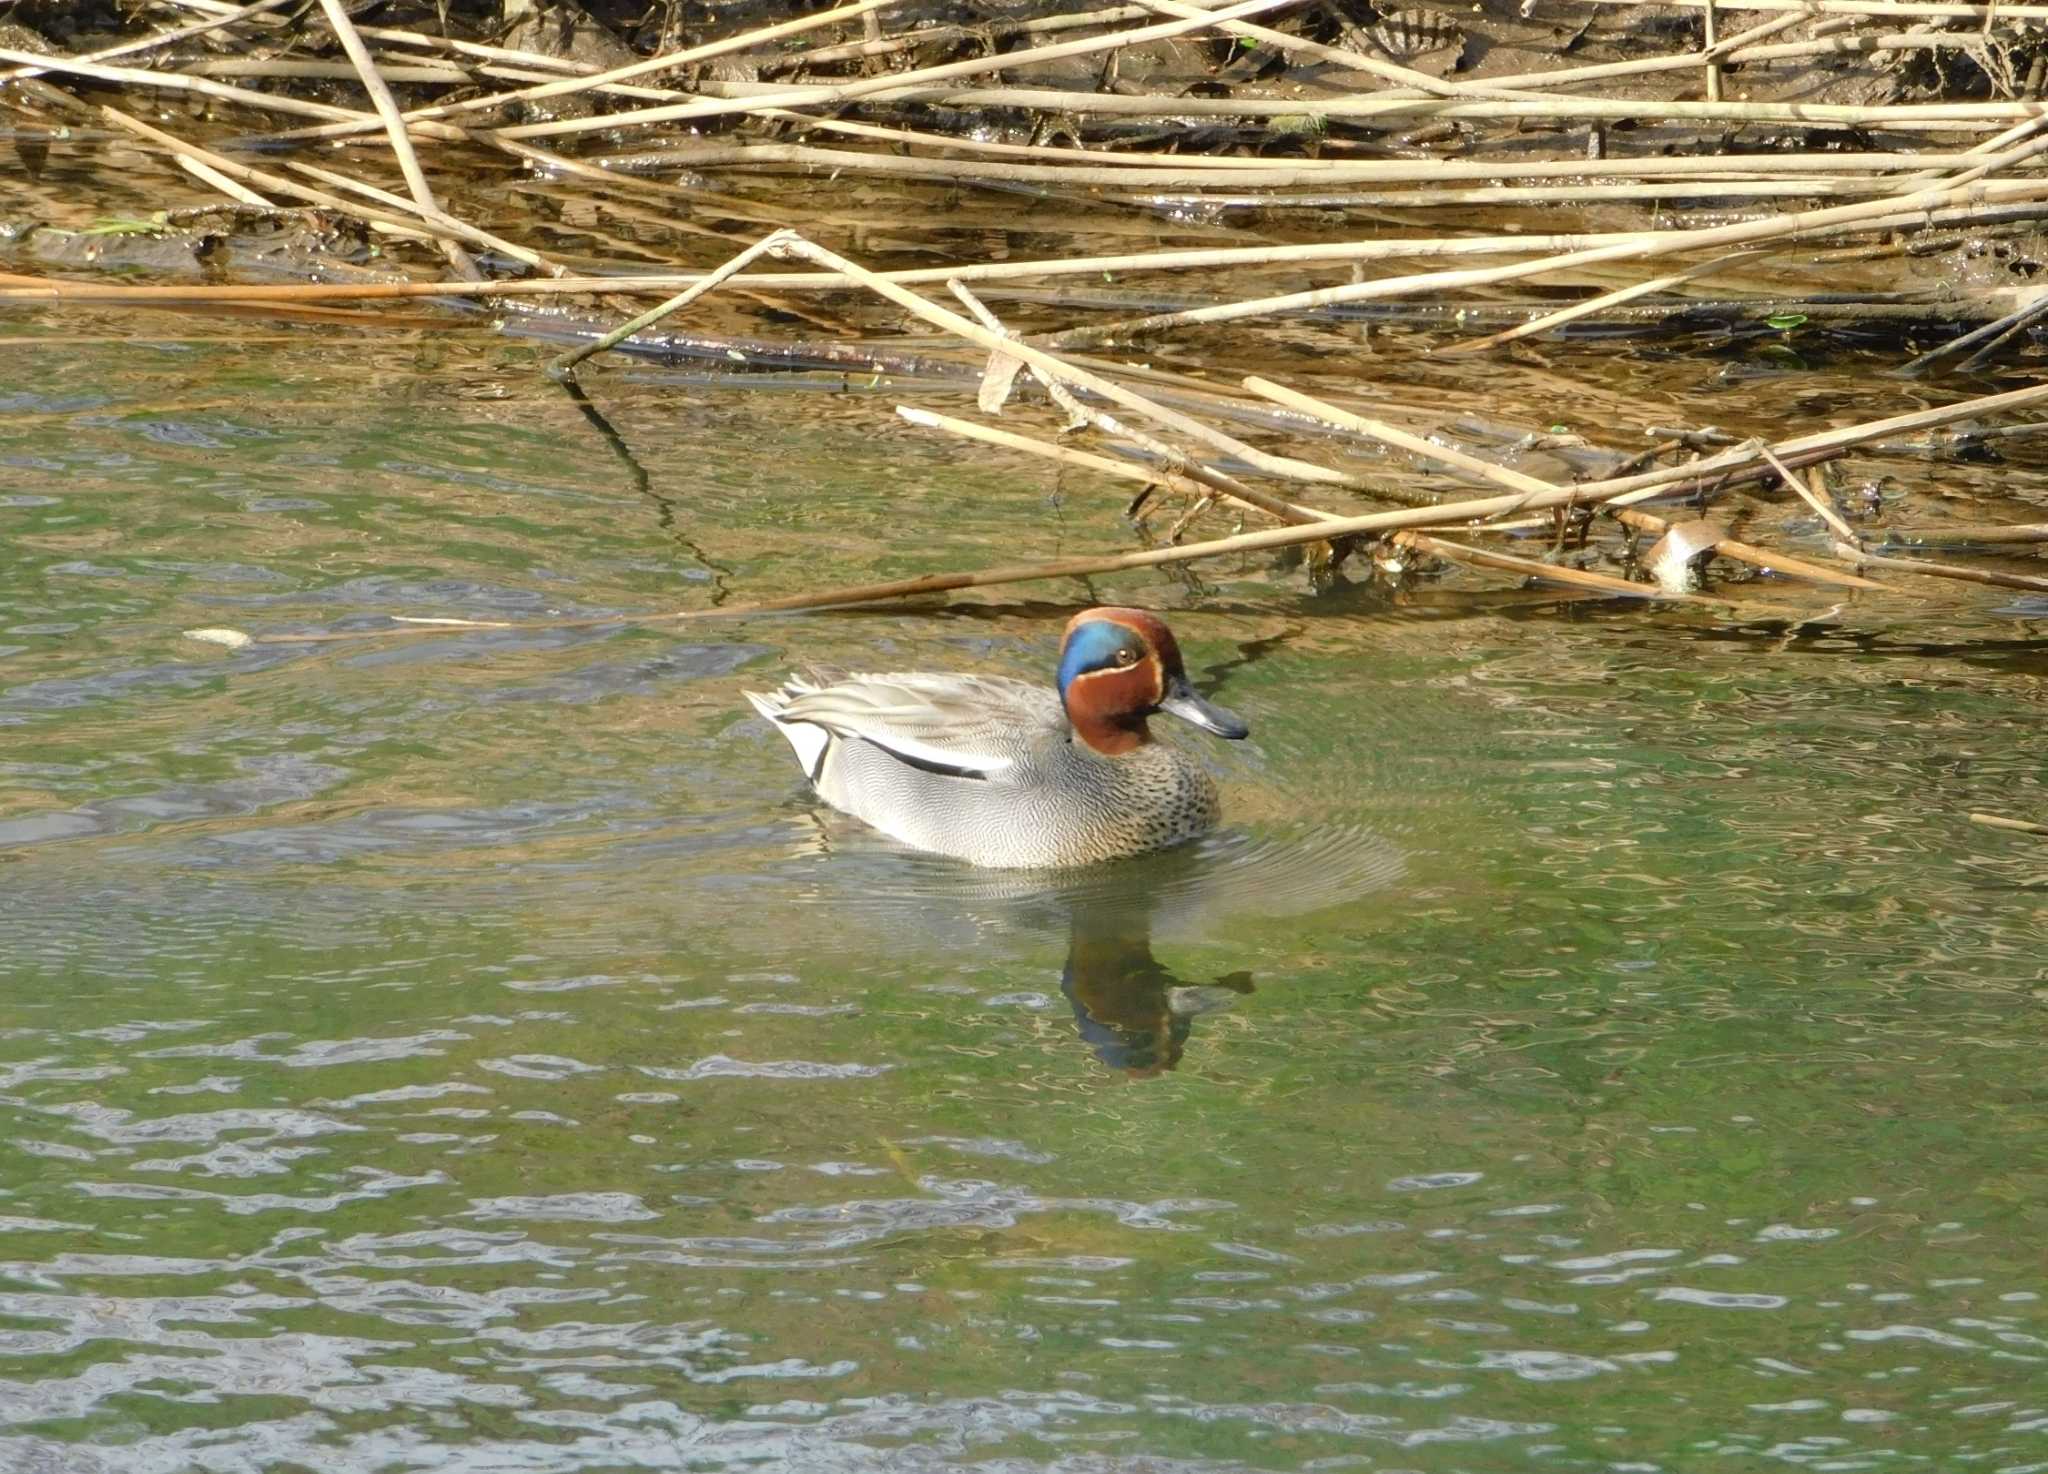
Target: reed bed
1759 148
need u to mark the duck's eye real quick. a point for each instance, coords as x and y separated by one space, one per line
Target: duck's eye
1127 658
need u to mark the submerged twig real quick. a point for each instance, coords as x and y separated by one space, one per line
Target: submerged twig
1999 821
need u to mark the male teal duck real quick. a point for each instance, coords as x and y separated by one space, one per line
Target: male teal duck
1006 774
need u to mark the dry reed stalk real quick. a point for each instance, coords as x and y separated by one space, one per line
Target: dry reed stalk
1704 174
160 39
460 230
1576 578
179 82
386 107
1713 38
1530 486
1214 480
903 41
961 143
1742 233
1964 534
1342 252
1814 495
234 190
1920 566
1727 468
280 69
1356 61
606 80
1000 374
1956 117
713 107
1605 300
1046 365
1818 187
769 244
704 201
1064 455
1742 49
412 229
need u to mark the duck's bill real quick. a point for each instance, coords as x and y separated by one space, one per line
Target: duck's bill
1184 702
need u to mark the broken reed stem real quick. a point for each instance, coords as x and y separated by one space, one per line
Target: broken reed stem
771 244
1814 497
1549 494
995 389
789 243
394 126
1577 578
1713 37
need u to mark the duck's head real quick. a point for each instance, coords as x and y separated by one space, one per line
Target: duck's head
1117 667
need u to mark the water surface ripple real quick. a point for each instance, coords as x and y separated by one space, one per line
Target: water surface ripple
1596 1042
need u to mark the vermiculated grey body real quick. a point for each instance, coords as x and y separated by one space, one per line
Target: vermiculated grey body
1025 793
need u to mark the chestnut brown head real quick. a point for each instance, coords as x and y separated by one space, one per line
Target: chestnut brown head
1117 667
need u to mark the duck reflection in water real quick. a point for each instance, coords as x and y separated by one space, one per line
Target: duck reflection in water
1132 1012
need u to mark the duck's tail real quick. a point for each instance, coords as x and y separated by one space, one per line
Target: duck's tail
810 741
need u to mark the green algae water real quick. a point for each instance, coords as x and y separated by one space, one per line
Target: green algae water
1598 1041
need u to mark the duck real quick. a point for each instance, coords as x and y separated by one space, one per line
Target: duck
1006 774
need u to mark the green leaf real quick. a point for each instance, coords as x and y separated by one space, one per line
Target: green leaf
116 225
1784 322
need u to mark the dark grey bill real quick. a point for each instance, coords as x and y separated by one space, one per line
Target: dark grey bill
1184 702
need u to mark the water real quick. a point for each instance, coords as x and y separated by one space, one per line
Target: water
1600 1041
